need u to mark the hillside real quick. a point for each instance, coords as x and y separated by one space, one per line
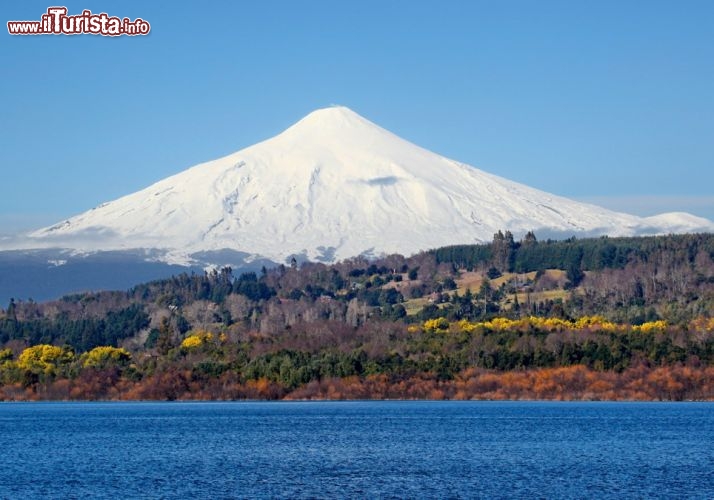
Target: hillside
603 314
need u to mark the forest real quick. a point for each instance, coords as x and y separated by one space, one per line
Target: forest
591 319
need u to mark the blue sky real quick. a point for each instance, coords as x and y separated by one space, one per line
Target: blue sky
610 102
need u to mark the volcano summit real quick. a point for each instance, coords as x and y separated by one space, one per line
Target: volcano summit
332 186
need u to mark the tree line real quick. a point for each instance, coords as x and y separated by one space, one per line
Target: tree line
608 305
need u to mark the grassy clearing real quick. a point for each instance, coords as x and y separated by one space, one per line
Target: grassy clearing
472 280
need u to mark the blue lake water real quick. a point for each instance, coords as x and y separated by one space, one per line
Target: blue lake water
357 450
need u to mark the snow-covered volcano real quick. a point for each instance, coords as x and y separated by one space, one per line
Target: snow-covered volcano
332 186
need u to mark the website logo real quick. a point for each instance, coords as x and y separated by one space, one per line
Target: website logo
56 21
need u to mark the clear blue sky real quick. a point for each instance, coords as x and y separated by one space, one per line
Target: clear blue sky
606 101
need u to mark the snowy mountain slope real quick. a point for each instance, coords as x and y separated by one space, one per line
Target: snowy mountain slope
332 186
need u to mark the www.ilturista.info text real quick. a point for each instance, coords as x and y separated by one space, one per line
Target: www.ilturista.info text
57 22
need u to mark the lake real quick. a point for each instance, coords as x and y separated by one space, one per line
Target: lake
357 449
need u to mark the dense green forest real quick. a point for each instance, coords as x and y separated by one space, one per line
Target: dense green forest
624 310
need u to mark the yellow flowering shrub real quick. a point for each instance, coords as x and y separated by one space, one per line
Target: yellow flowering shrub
651 327
191 342
103 356
442 325
196 340
500 324
550 324
43 358
436 325
466 326
595 322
